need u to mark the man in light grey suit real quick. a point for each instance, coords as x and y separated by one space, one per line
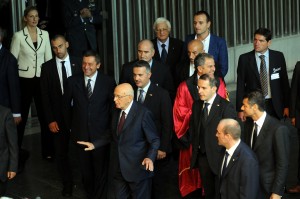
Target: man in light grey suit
8 148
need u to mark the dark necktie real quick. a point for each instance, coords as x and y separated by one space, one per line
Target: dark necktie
204 115
263 75
254 135
225 162
121 122
141 96
64 74
164 53
89 88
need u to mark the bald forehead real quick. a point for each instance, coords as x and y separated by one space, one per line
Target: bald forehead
147 43
196 44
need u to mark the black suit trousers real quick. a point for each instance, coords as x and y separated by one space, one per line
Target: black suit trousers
94 169
209 179
61 146
30 89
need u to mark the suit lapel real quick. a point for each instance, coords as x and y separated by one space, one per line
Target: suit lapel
233 160
39 38
253 65
215 107
130 117
55 74
263 131
149 94
28 39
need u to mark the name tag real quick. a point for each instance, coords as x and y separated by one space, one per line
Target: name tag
275 76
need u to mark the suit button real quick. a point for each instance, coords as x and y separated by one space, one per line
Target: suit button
84 23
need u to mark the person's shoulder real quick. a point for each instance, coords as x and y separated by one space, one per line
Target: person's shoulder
216 37
275 53
129 64
46 65
247 54
176 41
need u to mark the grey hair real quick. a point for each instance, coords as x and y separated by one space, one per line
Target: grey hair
162 20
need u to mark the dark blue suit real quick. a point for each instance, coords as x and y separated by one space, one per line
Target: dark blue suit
89 120
241 177
218 49
9 82
137 140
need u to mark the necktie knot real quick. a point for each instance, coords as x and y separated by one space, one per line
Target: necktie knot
89 88
141 96
206 104
262 57
163 46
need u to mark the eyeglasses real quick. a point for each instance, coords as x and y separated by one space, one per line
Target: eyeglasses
161 30
120 96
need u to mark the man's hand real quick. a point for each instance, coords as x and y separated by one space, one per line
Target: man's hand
17 120
241 115
286 112
53 126
161 155
88 146
85 13
11 175
275 196
293 121
147 162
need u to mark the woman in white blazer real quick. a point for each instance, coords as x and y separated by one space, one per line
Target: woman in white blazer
31 47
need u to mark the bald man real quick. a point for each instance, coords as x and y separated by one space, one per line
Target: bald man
135 144
161 73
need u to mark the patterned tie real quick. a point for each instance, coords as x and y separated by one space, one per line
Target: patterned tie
254 136
263 76
121 122
64 74
141 96
164 53
225 162
89 89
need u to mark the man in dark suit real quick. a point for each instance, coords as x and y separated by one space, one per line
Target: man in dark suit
161 74
263 69
206 115
53 82
270 141
9 81
168 50
8 148
295 114
80 18
158 101
89 99
214 45
135 144
239 169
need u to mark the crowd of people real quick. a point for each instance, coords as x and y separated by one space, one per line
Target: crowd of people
171 106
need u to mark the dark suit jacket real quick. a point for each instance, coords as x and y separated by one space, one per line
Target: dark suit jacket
241 177
52 97
174 56
248 80
220 109
9 81
272 151
218 49
295 95
159 103
137 140
8 143
89 119
81 35
161 76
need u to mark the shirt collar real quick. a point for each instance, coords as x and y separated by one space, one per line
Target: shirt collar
145 89
0 46
211 101
261 120
166 43
60 60
93 78
128 108
266 54
233 148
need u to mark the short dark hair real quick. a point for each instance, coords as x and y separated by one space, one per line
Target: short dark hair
202 12
143 63
28 9
200 59
55 37
92 53
256 97
212 80
264 32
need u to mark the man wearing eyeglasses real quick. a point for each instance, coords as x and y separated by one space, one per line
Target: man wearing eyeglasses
168 50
